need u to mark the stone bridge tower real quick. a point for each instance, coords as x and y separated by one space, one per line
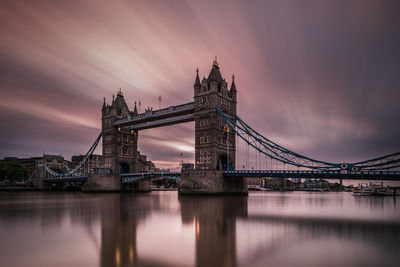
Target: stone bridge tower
119 143
120 150
215 144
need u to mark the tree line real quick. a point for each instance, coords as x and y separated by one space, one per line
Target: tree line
13 171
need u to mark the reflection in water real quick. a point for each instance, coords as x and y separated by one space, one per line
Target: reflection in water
164 229
215 219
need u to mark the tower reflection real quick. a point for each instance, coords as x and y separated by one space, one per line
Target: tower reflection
120 217
215 227
214 219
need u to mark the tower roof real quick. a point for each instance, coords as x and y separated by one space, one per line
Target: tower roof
120 101
215 74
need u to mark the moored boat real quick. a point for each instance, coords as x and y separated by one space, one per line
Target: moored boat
363 191
357 192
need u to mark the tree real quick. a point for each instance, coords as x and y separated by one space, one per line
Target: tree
12 170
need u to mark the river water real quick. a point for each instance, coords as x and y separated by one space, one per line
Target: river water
165 229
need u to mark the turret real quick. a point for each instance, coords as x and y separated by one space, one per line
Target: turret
103 109
135 112
197 84
232 91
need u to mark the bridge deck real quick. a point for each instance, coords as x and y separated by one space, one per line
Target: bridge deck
133 177
381 175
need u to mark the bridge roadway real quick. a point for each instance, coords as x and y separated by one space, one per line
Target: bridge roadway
362 175
134 177
162 117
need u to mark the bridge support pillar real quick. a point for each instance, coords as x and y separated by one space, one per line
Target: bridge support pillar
142 186
112 183
211 182
102 183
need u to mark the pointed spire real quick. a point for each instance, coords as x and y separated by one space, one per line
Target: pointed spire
215 63
197 82
233 86
113 101
135 109
104 103
120 92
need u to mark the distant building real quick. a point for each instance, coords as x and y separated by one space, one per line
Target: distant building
278 184
61 165
56 162
255 182
296 180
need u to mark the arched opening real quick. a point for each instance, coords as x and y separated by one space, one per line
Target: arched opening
222 163
124 168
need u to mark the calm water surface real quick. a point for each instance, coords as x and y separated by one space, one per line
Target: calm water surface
164 229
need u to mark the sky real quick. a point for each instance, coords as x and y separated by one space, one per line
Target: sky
318 77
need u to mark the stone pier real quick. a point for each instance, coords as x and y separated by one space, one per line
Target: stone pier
112 183
102 183
211 182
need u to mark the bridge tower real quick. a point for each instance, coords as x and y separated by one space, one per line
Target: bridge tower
119 143
120 150
215 144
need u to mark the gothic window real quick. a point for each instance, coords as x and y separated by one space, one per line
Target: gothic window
201 157
204 139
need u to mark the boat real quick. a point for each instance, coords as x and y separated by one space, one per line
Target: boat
357 192
374 190
363 191
384 192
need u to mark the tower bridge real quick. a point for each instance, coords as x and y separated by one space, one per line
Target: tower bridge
214 111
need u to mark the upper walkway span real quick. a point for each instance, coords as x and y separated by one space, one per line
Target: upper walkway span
162 117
